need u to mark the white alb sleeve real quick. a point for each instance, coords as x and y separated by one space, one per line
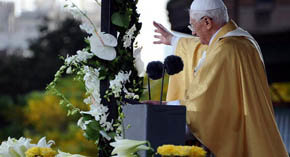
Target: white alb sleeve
174 102
174 42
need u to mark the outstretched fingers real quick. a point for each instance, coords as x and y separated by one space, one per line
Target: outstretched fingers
157 42
164 35
160 41
160 29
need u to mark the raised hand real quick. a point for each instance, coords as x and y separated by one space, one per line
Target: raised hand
164 35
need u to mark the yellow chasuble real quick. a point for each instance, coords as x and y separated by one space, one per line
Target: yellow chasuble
228 102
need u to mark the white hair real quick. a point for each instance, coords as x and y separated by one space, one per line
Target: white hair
219 16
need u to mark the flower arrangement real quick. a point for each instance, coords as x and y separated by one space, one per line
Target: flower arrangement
24 148
106 67
129 148
185 151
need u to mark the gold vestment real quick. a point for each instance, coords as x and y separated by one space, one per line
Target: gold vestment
228 102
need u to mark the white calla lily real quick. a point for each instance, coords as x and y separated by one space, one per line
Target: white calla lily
103 45
43 144
109 40
63 154
15 148
127 148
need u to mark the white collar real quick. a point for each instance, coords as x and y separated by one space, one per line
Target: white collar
213 36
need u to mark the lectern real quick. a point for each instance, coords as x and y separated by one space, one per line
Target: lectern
158 124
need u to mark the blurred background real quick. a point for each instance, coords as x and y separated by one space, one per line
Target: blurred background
34 33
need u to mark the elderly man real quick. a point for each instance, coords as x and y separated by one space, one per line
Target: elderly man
223 85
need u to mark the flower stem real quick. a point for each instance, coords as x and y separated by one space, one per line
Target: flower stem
90 21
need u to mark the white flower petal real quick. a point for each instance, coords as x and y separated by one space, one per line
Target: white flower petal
104 134
101 51
42 143
83 56
15 148
69 70
109 40
94 42
87 28
107 53
63 154
127 147
127 38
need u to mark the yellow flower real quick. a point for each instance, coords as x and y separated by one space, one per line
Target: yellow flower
197 152
32 151
182 150
189 151
39 151
166 150
47 152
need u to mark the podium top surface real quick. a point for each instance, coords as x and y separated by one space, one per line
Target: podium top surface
157 107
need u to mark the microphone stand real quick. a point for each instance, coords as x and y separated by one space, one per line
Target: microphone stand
148 84
161 94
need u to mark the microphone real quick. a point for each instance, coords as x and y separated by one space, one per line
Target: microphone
155 70
173 64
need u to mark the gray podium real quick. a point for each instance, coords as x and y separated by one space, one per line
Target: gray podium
158 124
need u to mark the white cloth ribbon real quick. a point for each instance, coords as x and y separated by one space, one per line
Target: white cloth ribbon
200 62
239 32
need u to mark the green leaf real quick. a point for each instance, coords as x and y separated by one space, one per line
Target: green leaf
91 133
68 113
112 134
94 125
121 20
102 77
61 102
87 117
74 111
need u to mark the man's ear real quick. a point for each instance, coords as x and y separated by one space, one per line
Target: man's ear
208 23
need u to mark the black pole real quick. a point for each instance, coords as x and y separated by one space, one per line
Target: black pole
107 27
106 14
149 92
161 94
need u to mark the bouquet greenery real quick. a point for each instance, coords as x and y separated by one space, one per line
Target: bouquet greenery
106 67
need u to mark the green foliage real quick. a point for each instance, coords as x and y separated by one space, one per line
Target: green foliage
11 118
45 117
124 17
104 127
121 20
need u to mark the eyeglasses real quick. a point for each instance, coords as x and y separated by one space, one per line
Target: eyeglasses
191 28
